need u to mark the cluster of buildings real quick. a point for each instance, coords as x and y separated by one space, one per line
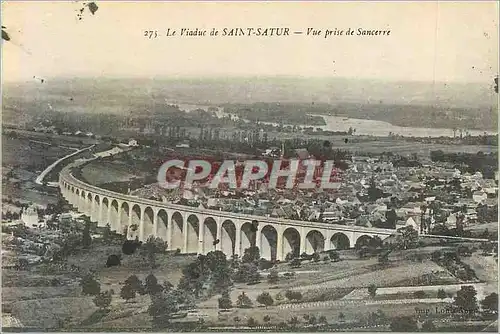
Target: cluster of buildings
372 193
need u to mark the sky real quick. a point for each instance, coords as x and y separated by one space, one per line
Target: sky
429 41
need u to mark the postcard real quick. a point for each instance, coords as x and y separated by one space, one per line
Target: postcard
249 166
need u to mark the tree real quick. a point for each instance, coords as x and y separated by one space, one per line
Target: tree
441 294
106 233
252 322
86 237
247 273
103 300
466 299
266 318
135 284
151 284
243 301
404 324
273 277
90 286
294 321
225 302
322 320
490 303
162 307
127 292
428 326
251 254
312 320
341 317
372 290
295 263
237 320
334 256
151 247
419 294
265 299
293 295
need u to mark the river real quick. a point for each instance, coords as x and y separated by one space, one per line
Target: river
365 127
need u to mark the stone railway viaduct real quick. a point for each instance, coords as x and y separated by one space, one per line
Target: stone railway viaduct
195 230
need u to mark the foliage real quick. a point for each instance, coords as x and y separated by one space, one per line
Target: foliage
135 284
441 294
273 277
490 303
251 254
103 300
334 256
466 298
106 233
428 326
244 301
127 292
404 324
265 299
86 237
265 264
252 322
90 286
129 247
266 318
210 273
372 290
295 263
322 320
151 284
293 295
152 247
247 273
113 260
294 321
419 294
162 307
225 302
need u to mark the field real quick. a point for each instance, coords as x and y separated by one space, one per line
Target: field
328 289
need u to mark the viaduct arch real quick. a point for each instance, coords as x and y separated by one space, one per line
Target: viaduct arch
194 230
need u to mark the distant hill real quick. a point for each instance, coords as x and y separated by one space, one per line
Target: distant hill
388 101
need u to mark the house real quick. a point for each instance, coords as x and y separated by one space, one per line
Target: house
414 222
479 196
184 144
30 217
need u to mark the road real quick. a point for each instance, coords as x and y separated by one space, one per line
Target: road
43 174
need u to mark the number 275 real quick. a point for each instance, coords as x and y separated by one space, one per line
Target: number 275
151 34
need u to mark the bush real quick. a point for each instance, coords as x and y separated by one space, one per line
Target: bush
90 286
265 299
326 258
103 300
419 294
265 264
293 295
404 324
295 263
243 301
130 246
273 277
225 301
252 322
316 257
372 290
441 294
113 260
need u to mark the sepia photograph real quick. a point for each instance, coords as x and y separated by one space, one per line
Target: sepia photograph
265 166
